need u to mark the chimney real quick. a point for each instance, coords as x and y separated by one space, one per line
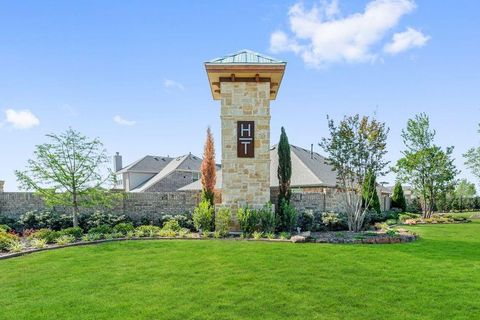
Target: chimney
311 151
117 162
2 183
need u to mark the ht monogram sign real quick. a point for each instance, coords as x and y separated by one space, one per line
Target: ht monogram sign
245 139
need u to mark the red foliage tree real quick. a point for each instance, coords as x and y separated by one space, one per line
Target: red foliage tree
209 169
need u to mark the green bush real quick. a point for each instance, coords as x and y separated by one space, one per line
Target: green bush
257 235
6 239
47 234
5 228
45 220
102 230
287 217
305 220
248 220
266 217
223 219
172 225
75 232
65 239
407 216
16 246
100 218
123 228
147 231
38 243
203 216
184 220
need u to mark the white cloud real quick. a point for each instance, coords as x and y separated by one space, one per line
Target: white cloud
171 84
21 119
123 122
321 36
403 41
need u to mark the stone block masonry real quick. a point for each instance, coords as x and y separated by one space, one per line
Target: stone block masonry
245 180
2 184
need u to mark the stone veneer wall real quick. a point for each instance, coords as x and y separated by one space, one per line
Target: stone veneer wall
245 180
2 183
135 205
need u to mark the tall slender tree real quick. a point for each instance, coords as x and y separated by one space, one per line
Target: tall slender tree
398 197
209 169
284 172
69 171
370 195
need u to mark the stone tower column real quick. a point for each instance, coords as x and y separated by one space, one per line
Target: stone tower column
245 180
245 82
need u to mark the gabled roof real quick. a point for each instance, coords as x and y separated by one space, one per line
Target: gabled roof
187 162
308 169
147 164
245 57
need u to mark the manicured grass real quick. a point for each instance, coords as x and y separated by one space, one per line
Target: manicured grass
437 277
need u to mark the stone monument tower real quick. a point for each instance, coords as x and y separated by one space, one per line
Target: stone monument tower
245 82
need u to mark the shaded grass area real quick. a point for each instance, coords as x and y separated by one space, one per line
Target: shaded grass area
437 277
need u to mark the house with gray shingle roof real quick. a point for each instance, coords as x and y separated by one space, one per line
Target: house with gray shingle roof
309 171
157 173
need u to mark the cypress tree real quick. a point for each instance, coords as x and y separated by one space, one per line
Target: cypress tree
398 198
284 172
209 169
370 195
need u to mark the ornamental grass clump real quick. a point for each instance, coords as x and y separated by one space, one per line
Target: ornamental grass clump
38 243
257 235
16 246
64 240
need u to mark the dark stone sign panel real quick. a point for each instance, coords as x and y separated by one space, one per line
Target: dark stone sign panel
246 139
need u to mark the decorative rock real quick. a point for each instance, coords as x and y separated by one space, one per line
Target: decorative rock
297 239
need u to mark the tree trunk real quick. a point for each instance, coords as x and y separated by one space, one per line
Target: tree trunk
75 211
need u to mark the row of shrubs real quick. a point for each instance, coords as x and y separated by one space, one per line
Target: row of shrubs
58 221
413 218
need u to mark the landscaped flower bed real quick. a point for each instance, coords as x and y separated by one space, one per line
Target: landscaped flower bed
412 219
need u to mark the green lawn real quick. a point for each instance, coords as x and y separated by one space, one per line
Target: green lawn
437 277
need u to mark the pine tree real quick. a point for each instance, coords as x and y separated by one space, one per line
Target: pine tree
370 196
398 198
284 172
209 169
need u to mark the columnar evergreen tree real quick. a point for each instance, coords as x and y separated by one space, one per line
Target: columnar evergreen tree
398 197
370 192
69 171
356 147
284 171
209 169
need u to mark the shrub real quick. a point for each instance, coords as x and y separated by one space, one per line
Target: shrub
130 234
203 216
183 232
167 233
100 218
287 216
248 220
391 222
5 228
184 220
266 217
223 219
94 236
270 235
48 235
75 232
147 231
171 225
6 239
284 235
257 235
330 219
217 235
305 220
65 239
123 227
102 230
16 246
38 243
45 220
406 216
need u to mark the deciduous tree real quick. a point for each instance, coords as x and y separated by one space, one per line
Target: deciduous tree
355 147
69 171
426 167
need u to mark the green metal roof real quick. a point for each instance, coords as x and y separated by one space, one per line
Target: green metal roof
245 57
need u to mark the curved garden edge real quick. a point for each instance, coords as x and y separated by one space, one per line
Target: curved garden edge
403 238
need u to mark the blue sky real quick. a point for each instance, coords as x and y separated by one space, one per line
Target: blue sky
86 63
